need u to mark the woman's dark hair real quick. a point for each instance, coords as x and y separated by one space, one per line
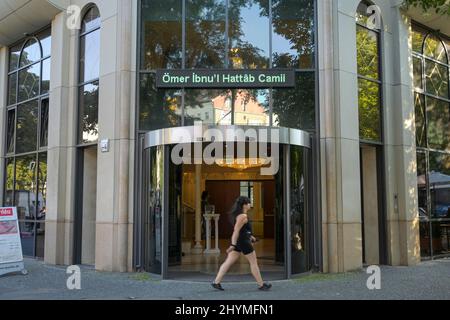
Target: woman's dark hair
205 195
237 207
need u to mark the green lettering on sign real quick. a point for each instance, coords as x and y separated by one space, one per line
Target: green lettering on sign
279 78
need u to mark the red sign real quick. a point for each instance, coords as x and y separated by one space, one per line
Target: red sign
6 212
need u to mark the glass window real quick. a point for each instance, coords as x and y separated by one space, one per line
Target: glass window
26 130
43 136
25 188
11 126
438 114
417 65
27 237
42 187
436 79
424 219
14 56
90 57
295 108
91 20
40 239
161 34
12 89
45 85
293 34
29 82
421 138
45 38
249 44
159 108
435 48
367 53
251 107
208 106
88 113
369 110
418 35
9 182
205 33
30 53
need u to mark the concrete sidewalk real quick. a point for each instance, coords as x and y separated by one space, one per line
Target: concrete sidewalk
428 280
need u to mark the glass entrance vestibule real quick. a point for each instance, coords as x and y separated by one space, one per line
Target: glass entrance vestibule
191 177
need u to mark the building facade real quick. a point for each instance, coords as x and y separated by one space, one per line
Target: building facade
89 130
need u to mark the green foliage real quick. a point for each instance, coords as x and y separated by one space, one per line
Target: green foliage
438 6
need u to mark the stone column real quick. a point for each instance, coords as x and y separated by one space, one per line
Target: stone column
61 149
198 210
116 105
339 136
402 199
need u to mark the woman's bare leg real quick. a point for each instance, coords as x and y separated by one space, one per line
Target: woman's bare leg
231 259
255 268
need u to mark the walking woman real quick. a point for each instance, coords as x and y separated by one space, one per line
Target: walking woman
241 242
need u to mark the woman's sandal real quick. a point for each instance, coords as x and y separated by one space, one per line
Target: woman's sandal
265 287
217 286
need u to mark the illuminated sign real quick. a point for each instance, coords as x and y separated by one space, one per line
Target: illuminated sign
274 78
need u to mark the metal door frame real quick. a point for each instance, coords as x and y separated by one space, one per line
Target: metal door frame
190 135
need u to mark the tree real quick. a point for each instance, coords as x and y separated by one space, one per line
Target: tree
439 6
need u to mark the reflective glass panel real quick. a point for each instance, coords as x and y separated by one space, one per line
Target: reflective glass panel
249 34
158 108
295 108
417 65
42 187
88 113
369 110
367 53
29 80
91 20
45 85
11 126
424 219
12 89
27 232
421 138
26 130
438 113
435 48
44 123
205 33
436 79
30 53
161 34
14 56
9 183
90 56
293 34
25 189
46 42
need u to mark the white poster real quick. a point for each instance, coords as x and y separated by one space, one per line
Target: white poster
10 245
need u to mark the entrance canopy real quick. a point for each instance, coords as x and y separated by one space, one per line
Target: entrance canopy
208 133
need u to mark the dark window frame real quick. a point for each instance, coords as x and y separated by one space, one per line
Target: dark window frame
427 150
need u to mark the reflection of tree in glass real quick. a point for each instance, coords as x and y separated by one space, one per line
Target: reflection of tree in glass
89 113
293 20
295 108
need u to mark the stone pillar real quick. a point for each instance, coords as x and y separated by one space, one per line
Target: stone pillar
339 136
61 151
198 210
402 199
116 104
